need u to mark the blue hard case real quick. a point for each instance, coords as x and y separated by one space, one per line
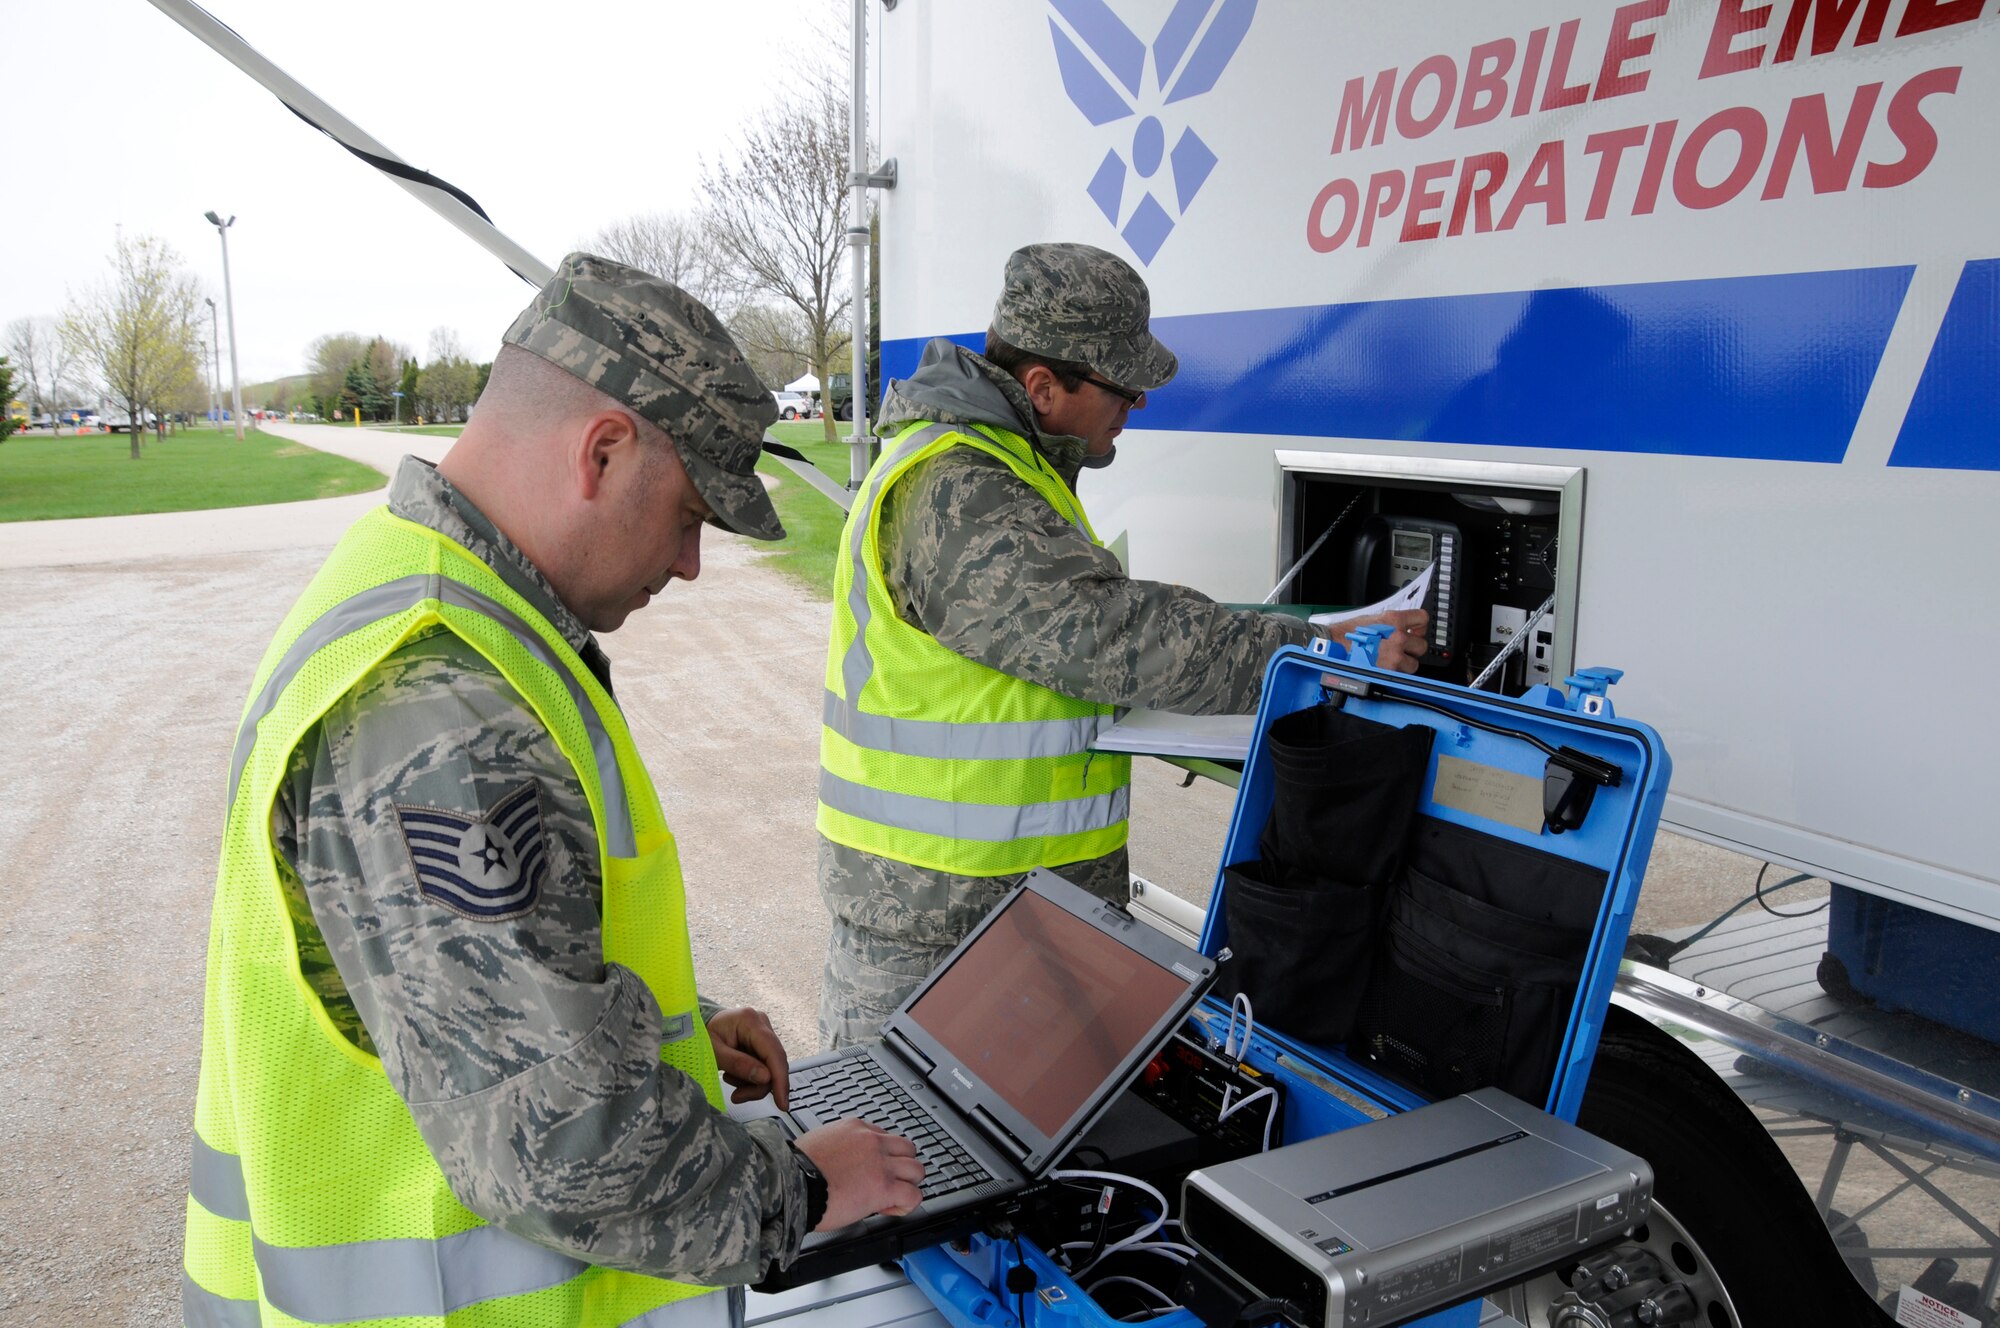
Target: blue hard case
1327 1088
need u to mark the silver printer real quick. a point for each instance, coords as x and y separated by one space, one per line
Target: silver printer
1390 1219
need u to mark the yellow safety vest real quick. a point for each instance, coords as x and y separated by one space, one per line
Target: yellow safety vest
931 759
312 1196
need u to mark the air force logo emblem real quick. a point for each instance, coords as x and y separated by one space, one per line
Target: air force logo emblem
1103 67
490 868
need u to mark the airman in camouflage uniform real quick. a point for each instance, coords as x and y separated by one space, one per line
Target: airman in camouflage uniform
977 559
531 1066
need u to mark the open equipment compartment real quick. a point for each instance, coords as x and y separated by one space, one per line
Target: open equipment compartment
1506 536
1324 1088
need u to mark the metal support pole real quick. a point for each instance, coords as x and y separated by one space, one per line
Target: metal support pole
229 300
857 244
215 350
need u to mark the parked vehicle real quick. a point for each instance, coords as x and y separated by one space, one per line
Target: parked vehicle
1441 277
839 395
121 421
793 405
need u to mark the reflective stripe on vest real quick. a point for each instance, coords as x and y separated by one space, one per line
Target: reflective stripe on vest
393 597
981 831
201 1308
404 1249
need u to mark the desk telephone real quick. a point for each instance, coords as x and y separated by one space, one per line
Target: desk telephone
1391 551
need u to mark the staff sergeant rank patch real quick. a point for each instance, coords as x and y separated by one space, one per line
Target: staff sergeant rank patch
490 868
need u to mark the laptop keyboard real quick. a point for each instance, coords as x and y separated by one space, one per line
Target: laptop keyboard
858 1086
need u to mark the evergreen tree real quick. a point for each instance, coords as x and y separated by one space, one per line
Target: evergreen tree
7 421
358 390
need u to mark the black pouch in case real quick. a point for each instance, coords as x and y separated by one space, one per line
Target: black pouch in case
1481 954
1344 791
1302 954
1303 918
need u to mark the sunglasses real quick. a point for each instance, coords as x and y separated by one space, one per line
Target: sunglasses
1125 394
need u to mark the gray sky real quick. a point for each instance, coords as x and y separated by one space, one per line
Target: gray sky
558 117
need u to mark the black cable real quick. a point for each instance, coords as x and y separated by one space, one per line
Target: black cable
1257 1309
1658 950
397 169
388 166
1758 894
1021 1280
1469 722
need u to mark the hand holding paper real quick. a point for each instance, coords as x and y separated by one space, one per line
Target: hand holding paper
1411 595
1402 611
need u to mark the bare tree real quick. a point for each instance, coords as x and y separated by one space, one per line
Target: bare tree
137 334
777 341
43 366
670 245
445 345
776 213
449 381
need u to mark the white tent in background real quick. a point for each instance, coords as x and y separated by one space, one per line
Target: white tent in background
808 383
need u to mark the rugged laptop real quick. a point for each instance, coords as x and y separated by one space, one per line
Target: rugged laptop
998 1063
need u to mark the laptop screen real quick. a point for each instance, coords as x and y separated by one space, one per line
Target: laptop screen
1045 1007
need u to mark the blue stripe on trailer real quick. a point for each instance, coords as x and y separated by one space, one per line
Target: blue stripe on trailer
1769 367
1954 418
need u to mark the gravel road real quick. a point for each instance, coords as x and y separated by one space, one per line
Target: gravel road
128 644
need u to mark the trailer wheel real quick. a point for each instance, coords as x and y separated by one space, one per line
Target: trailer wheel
1731 1223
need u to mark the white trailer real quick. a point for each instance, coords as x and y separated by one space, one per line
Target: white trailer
1681 314
1678 323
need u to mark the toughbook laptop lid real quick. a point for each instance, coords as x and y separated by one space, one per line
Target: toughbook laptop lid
1036 1022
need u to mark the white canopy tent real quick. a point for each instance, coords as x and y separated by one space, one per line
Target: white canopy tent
808 383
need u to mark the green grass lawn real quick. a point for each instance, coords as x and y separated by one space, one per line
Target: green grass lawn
812 522
44 478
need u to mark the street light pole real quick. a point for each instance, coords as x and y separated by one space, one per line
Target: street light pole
215 346
229 298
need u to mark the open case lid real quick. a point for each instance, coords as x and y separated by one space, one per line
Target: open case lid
1496 764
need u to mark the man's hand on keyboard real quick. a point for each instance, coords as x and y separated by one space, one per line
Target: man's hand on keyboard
868 1171
749 1055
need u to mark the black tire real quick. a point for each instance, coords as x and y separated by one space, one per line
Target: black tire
790 414
1724 1182
844 411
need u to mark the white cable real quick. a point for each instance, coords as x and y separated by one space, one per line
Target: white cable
1259 1095
1120 1179
1270 1119
1131 1281
1166 1249
1241 1000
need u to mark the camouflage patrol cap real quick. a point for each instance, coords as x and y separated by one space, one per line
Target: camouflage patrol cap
1076 302
650 345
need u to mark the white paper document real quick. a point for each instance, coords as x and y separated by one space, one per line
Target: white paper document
1227 737
1409 596
1162 733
